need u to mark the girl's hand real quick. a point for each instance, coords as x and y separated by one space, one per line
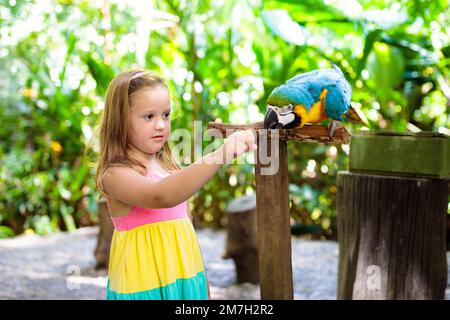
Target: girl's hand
237 143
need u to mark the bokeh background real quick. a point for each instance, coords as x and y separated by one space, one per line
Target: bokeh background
221 59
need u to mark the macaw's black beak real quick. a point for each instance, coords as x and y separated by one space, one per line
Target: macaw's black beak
281 118
271 118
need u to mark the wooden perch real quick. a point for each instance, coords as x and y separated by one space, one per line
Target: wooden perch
309 133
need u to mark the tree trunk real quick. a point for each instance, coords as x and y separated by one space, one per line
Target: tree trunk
391 234
104 236
242 244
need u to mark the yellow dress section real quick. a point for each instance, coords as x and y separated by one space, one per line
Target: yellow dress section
154 256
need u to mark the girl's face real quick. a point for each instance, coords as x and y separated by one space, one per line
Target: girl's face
149 126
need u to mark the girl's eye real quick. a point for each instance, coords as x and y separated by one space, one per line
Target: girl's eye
149 117
167 115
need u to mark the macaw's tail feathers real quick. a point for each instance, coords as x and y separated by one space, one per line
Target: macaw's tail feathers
355 115
335 67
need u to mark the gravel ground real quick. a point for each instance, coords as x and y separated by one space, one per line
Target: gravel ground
61 266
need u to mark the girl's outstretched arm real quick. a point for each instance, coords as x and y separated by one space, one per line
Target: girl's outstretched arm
130 187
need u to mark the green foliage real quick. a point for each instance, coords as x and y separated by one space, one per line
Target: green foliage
6 232
221 59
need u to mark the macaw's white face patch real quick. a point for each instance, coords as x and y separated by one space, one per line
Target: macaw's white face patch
285 115
286 118
278 118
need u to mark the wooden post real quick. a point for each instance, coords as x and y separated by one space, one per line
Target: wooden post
274 230
392 217
272 202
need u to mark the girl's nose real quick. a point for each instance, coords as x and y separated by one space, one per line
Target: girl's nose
160 124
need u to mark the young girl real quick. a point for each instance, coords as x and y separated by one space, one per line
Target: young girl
154 249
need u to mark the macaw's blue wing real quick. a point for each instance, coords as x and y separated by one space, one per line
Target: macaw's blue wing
339 95
305 77
323 77
339 90
337 101
286 94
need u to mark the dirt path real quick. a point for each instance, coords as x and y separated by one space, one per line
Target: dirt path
60 266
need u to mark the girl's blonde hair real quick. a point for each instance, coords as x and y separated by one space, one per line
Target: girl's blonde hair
113 127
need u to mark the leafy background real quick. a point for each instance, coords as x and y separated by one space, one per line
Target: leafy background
221 60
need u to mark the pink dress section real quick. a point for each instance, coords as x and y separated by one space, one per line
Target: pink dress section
141 216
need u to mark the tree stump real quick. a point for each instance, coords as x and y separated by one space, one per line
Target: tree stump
391 237
242 244
392 216
104 236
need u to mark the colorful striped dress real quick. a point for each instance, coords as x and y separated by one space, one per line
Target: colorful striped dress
155 255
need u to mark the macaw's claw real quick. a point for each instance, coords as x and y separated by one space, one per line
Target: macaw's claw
331 127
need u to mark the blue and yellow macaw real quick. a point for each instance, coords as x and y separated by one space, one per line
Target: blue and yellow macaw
311 97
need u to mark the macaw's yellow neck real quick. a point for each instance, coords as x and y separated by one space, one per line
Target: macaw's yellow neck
315 114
